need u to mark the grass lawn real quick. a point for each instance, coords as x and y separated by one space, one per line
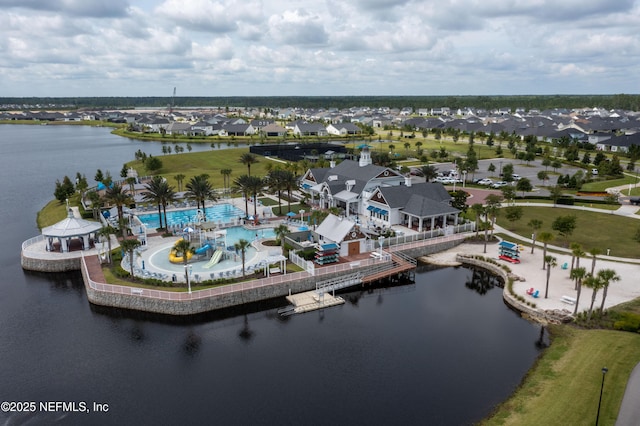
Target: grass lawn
209 162
55 211
613 232
564 385
604 184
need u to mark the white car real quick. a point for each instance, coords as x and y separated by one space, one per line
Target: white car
485 182
499 184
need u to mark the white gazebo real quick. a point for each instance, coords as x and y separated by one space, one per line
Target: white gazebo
68 229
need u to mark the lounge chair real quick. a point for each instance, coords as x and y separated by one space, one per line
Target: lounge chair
565 265
536 294
530 291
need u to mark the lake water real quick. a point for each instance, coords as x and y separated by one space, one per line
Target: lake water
441 351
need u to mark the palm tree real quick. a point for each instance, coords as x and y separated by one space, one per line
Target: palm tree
226 176
179 178
255 186
534 224
607 276
199 188
594 252
242 182
576 249
242 246
95 200
105 233
429 172
116 195
248 159
289 182
280 231
276 184
545 238
478 209
159 192
578 274
551 262
595 283
129 246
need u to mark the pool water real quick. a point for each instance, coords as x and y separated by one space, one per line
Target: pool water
219 213
160 258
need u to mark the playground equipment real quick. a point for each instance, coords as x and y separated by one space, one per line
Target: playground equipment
509 251
217 255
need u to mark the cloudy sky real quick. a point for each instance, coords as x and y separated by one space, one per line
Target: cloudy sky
318 47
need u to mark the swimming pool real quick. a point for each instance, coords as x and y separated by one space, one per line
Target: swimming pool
219 213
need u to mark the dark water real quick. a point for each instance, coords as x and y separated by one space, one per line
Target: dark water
433 352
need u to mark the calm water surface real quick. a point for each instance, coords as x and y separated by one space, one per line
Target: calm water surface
441 351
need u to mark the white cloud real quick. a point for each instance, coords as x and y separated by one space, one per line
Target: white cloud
296 47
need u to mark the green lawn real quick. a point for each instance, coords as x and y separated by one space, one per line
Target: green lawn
209 162
604 184
593 229
563 387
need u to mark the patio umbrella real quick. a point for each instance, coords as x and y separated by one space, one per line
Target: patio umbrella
188 229
251 218
291 214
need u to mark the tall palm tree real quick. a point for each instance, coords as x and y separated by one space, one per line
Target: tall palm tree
199 188
551 262
289 182
105 233
116 196
545 238
607 276
255 186
275 182
129 246
248 159
159 192
226 176
595 283
578 274
576 253
429 172
534 224
179 178
594 252
242 246
242 182
478 210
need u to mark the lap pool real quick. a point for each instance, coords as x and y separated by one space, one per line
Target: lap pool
219 213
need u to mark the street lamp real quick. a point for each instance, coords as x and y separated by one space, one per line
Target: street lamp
604 372
464 178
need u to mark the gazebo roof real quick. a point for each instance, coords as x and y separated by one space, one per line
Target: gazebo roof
71 227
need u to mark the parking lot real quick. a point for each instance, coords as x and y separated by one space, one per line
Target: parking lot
524 170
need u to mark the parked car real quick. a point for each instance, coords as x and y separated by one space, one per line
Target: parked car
635 201
516 177
485 182
499 184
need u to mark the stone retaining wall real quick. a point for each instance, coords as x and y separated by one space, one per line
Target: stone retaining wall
534 314
49 265
196 306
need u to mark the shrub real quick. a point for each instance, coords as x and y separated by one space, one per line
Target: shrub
627 322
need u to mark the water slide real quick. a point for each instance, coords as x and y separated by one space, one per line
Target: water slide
214 259
203 249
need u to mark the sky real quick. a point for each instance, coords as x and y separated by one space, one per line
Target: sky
75 48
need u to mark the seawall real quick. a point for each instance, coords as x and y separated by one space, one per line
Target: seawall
182 303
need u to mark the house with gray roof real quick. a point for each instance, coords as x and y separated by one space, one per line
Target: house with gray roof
619 143
380 193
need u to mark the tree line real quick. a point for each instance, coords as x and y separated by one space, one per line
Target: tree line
613 101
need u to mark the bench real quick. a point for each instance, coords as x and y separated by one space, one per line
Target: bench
375 255
136 291
274 270
354 265
569 300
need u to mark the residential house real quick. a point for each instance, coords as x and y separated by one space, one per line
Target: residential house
343 129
